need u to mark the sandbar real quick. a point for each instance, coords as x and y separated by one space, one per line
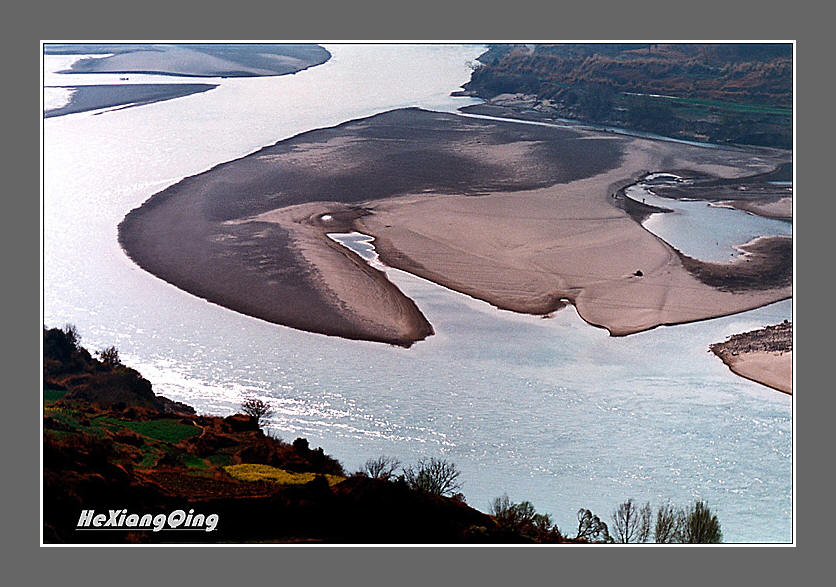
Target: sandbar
521 216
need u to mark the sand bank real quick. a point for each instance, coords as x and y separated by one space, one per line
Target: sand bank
87 98
764 356
517 215
196 59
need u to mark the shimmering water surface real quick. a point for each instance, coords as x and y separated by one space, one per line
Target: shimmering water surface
549 410
702 230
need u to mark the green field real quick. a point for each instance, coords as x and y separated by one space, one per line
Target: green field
172 431
51 395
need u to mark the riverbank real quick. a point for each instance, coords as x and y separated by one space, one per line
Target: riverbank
764 355
520 216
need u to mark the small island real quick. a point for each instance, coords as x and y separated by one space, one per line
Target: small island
763 355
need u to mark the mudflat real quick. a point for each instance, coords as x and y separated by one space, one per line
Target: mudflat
521 216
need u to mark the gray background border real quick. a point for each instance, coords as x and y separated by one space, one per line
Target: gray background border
387 20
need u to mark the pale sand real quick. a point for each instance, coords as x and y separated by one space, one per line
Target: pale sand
782 208
525 251
771 369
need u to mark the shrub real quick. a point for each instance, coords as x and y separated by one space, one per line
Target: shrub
109 356
523 520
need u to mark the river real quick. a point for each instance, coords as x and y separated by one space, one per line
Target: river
553 411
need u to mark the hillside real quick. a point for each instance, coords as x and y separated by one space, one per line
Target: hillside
725 93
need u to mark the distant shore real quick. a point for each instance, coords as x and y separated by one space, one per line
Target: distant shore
517 215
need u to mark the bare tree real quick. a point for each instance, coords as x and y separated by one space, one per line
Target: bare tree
668 528
381 468
258 409
433 475
110 356
631 523
591 528
645 522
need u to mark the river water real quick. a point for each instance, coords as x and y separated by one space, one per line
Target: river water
701 230
549 410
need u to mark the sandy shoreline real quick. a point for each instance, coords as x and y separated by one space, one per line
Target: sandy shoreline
763 356
520 216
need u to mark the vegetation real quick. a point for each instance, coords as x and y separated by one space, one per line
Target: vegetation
521 520
254 473
164 430
694 525
109 356
720 93
631 523
258 409
591 528
701 526
434 476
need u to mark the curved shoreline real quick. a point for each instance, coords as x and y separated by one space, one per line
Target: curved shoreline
520 217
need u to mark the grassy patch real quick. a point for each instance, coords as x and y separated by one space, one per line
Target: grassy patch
219 459
172 431
51 395
65 416
194 462
150 456
254 473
